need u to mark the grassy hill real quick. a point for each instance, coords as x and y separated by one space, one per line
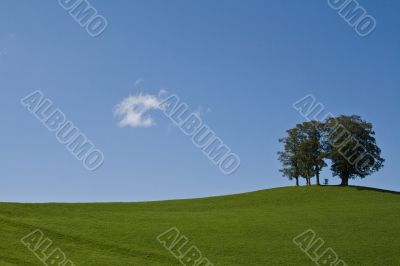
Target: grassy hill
362 225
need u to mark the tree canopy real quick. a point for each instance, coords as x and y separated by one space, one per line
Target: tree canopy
347 141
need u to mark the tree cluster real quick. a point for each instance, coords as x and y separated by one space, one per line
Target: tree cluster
347 141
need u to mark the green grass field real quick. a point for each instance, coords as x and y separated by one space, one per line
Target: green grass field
362 225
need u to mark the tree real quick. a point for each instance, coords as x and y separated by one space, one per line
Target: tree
303 153
313 149
352 148
305 161
289 156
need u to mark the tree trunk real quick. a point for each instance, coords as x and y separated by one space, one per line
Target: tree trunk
297 181
345 181
308 181
317 176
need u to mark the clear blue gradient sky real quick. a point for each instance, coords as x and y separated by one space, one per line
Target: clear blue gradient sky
247 61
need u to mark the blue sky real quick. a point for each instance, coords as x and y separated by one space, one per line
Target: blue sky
241 64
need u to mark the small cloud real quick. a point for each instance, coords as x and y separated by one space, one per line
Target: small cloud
132 110
201 110
138 82
6 42
162 92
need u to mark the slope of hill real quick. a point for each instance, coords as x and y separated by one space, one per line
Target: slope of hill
361 225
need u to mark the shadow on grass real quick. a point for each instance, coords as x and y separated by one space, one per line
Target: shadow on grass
363 188
376 189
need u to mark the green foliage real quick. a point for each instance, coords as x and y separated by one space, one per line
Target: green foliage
312 150
290 155
348 141
352 147
303 152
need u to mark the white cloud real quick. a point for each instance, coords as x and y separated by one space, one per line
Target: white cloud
138 82
201 110
162 92
132 110
6 43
